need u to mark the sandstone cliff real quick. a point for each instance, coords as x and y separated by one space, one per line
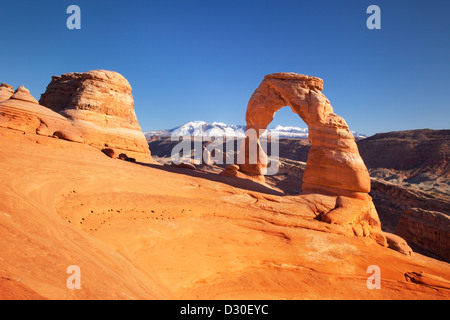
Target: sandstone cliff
429 230
334 166
101 105
421 218
412 151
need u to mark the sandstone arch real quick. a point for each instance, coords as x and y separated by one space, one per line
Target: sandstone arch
334 164
335 172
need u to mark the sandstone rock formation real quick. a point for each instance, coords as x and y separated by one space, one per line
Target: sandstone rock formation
390 196
428 280
101 105
427 229
23 94
6 91
417 159
398 244
184 165
334 166
392 200
411 151
153 233
334 163
23 112
110 152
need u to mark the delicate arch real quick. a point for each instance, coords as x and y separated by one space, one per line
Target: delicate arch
334 164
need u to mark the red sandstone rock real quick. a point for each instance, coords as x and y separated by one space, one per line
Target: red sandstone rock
101 105
398 244
427 280
334 166
233 167
23 94
23 112
185 165
110 152
148 233
427 229
6 91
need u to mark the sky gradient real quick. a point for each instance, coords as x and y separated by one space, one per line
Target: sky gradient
201 60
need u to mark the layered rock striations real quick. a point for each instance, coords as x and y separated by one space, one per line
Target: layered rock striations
334 165
6 91
23 112
421 156
429 230
101 105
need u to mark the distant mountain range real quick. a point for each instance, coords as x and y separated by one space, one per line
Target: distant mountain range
202 128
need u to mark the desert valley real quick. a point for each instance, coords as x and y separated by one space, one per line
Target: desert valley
81 185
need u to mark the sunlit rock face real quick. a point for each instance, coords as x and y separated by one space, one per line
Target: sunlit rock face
334 165
101 105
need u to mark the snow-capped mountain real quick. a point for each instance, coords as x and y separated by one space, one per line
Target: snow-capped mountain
217 129
201 128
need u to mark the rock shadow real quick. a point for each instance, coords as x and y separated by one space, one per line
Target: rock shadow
244 184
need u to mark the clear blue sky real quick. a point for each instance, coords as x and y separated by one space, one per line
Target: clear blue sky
202 59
